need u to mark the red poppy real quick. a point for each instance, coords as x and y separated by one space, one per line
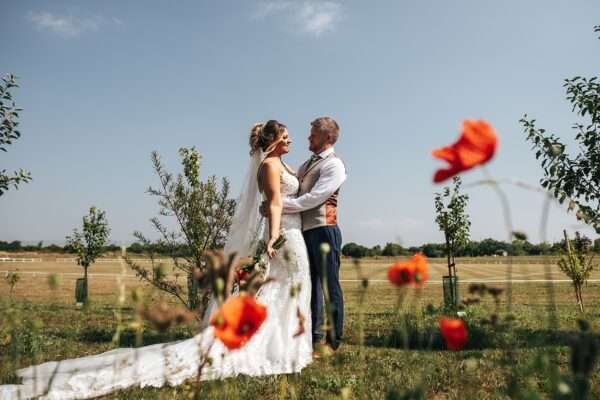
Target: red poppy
237 320
412 271
454 332
475 146
420 264
401 273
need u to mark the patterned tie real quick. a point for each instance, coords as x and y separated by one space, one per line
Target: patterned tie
313 159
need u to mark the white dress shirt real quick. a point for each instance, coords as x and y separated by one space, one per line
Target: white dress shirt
333 174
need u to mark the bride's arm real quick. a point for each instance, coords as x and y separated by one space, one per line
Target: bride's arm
272 188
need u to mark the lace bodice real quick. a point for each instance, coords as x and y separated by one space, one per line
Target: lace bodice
289 189
289 184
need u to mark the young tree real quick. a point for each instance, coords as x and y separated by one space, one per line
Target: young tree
9 123
576 263
574 177
89 244
203 215
453 221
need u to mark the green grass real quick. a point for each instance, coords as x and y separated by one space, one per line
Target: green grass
54 330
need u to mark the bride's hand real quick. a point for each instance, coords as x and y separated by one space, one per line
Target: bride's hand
270 249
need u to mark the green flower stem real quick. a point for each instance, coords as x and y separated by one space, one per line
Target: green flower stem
329 326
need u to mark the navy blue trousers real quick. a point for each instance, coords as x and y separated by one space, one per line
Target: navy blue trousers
326 277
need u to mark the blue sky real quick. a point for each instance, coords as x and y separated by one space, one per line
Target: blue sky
104 83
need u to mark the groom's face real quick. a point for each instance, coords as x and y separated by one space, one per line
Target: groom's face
317 140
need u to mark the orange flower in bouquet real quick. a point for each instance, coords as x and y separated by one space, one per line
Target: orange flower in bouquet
476 145
241 275
237 320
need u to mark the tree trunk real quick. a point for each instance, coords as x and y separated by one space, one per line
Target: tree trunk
450 291
192 284
448 254
85 277
579 297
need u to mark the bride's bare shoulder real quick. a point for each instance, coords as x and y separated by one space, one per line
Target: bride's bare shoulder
272 165
270 169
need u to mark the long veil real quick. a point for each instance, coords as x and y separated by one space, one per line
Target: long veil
247 224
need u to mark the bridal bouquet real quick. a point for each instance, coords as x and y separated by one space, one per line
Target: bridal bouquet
259 263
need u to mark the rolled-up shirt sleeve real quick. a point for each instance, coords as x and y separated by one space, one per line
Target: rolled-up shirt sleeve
333 174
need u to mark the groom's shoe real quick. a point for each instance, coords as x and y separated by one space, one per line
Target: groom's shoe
321 350
334 347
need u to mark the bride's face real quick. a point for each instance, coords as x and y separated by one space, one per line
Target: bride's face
284 144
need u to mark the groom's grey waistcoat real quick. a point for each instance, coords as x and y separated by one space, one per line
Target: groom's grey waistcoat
326 213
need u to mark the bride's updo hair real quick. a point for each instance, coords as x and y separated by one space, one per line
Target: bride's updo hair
262 135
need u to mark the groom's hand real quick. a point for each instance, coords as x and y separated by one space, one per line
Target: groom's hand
264 210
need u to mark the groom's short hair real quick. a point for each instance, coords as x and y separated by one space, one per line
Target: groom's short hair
327 125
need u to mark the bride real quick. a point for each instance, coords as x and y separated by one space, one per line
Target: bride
275 348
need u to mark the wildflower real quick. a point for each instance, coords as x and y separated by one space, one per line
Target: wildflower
420 264
454 332
401 273
237 320
475 146
412 271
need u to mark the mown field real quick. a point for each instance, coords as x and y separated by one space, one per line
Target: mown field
373 362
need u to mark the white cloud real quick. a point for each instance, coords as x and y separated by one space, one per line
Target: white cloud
267 8
69 25
317 18
310 17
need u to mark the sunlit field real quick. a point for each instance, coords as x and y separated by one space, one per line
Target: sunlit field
103 274
371 364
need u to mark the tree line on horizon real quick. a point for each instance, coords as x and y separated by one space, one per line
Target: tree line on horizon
485 247
137 248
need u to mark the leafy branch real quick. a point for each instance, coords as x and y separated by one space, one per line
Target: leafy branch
202 211
9 133
573 176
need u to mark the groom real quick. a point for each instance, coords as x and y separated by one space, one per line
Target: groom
320 180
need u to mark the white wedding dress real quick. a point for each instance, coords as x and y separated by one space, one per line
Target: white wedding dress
272 350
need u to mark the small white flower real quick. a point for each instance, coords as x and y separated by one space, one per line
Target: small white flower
564 388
